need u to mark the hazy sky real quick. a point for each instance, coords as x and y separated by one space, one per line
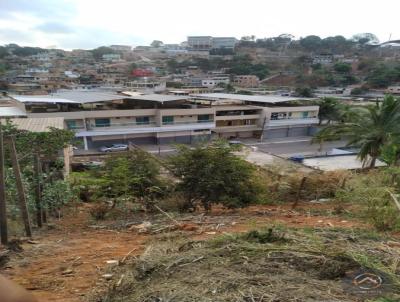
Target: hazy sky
73 24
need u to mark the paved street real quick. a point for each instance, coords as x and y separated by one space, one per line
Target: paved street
284 147
294 146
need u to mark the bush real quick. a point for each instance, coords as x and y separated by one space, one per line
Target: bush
99 211
317 185
370 193
175 202
134 175
214 174
57 194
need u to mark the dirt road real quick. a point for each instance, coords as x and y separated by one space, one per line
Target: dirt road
65 263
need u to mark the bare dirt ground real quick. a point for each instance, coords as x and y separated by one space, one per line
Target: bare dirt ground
66 261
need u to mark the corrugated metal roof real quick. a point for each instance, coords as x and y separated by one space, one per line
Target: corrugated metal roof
159 98
8 111
38 124
41 99
74 97
249 98
82 97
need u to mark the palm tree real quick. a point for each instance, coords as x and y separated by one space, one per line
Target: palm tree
328 110
371 128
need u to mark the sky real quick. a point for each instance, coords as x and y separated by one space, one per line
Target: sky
72 24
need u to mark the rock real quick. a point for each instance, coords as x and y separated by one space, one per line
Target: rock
142 228
67 272
112 262
107 276
33 242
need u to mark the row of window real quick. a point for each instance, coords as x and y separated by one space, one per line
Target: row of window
284 115
140 120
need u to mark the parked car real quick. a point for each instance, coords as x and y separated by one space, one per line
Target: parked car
297 158
114 147
235 142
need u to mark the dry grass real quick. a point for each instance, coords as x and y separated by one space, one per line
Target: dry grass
271 265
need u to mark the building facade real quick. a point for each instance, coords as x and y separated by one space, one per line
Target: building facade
246 81
199 43
100 118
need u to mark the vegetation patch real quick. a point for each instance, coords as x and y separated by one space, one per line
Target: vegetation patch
275 264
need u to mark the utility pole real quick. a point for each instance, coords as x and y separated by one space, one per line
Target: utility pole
38 193
20 188
3 208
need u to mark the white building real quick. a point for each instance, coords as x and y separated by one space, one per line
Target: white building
123 48
214 81
199 43
224 42
111 57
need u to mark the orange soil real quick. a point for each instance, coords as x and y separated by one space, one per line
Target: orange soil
67 262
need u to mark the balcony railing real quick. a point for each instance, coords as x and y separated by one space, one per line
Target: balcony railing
293 118
293 121
187 122
119 125
75 128
139 124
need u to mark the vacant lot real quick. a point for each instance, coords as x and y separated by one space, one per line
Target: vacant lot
153 257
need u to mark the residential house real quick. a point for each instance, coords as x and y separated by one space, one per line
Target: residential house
246 81
199 43
111 57
223 42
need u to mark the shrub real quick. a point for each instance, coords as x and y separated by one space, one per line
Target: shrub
370 192
175 202
214 174
99 211
316 185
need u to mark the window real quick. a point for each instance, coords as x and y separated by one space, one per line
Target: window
305 114
278 115
102 122
71 124
203 118
142 120
167 120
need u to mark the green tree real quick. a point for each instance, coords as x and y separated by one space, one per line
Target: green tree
3 52
370 129
214 174
156 44
305 92
328 110
342 67
383 75
336 44
102 50
311 43
365 38
134 174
